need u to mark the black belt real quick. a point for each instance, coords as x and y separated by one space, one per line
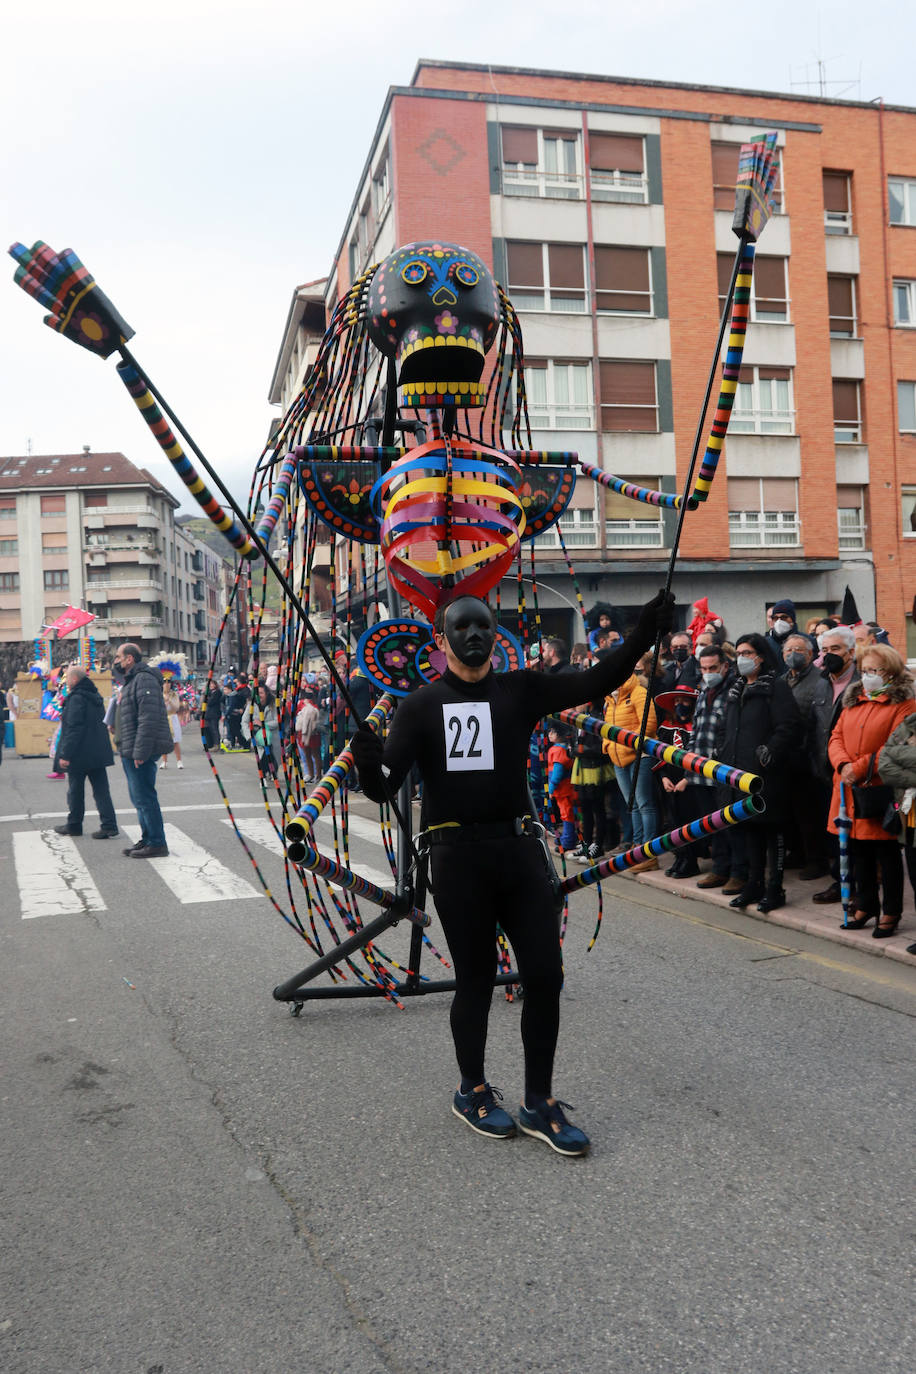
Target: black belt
519 828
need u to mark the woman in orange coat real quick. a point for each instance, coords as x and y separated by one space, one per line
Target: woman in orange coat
872 710
624 708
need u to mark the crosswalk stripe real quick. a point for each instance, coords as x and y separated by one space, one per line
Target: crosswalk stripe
192 873
53 879
259 830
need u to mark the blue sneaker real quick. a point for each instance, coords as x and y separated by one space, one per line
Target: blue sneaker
482 1114
549 1123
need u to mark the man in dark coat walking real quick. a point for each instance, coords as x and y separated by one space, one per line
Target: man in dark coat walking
84 750
141 734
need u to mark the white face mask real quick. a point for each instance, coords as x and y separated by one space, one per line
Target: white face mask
745 664
782 627
872 682
712 679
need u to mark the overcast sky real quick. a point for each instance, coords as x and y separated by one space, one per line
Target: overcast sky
200 157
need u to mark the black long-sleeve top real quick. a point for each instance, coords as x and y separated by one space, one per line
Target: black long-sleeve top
470 739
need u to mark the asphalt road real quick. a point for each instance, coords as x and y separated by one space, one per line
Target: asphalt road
194 1180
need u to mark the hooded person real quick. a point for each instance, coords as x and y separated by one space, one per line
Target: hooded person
84 751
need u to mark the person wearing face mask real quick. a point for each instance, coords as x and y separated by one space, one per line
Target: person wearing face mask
781 622
872 710
897 765
810 792
729 865
838 666
760 731
469 733
683 669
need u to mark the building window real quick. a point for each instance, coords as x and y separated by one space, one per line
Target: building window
381 188
902 201
54 543
541 162
547 276
633 524
559 394
8 547
725 177
763 401
770 295
56 579
850 504
578 527
629 401
7 508
9 582
847 415
623 282
841 301
617 167
95 498
905 303
52 505
908 497
837 203
906 407
100 609
762 512
97 575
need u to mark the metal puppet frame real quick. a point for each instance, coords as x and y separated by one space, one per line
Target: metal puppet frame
469 497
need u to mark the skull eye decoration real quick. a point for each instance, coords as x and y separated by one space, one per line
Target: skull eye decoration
414 273
464 274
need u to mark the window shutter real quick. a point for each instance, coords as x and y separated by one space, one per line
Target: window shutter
839 297
849 498
567 266
743 493
619 272
846 401
526 264
770 279
836 192
616 153
520 145
780 493
623 508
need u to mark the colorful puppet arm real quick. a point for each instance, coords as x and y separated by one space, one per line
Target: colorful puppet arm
79 310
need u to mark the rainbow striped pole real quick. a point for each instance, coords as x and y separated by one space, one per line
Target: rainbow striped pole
300 826
136 385
674 839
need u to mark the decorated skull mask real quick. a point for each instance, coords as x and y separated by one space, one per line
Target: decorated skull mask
434 308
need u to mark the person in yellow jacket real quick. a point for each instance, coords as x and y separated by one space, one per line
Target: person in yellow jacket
624 708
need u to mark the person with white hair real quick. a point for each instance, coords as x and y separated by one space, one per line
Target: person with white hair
84 751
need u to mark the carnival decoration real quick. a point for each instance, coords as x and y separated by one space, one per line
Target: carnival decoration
73 618
172 666
409 446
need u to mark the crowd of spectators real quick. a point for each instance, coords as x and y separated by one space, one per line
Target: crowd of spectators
824 713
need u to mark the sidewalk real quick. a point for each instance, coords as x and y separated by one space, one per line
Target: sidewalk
799 913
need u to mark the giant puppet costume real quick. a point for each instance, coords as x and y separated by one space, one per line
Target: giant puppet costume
408 444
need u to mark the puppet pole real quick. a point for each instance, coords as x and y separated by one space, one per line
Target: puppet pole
743 245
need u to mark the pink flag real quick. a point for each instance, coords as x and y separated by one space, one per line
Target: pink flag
71 620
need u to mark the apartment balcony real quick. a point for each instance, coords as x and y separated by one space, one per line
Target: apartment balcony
842 255
847 359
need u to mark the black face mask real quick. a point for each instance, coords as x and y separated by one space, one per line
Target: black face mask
680 655
833 663
469 631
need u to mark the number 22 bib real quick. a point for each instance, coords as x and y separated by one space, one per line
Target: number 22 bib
468 736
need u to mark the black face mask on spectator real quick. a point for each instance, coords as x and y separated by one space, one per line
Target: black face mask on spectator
680 655
833 663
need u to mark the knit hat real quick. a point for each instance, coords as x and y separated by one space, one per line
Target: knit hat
786 607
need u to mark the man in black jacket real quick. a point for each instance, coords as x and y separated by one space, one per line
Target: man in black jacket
84 750
469 734
141 734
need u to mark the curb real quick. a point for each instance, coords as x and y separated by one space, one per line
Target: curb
799 913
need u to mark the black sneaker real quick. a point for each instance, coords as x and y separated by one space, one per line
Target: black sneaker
548 1123
149 851
593 854
580 854
482 1114
104 834
129 851
68 830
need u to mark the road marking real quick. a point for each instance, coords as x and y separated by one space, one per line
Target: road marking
52 878
192 872
259 830
130 811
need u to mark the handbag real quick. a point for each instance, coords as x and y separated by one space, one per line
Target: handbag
873 801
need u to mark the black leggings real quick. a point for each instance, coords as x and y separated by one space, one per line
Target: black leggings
476 887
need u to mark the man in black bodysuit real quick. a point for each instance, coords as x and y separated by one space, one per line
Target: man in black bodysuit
469 733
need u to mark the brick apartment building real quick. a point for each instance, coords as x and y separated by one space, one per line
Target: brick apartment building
93 530
604 206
